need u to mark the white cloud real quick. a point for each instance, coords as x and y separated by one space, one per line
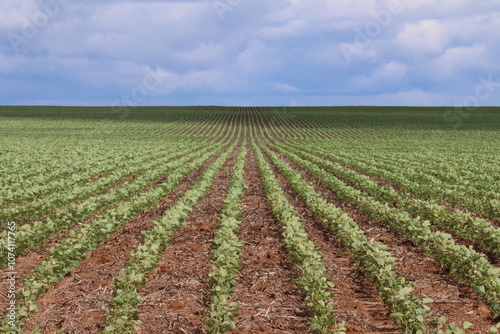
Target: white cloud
401 98
456 60
328 55
15 13
279 49
284 88
257 58
424 37
214 81
10 64
296 27
386 74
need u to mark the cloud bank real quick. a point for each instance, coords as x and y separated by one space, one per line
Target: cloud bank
241 52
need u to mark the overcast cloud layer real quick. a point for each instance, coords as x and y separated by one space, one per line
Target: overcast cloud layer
250 52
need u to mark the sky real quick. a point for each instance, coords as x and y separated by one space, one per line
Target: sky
250 52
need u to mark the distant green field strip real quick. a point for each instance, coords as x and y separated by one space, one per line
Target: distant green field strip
185 124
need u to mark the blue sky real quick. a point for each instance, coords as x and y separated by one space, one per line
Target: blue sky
250 52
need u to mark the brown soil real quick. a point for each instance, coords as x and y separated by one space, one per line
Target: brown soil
453 299
76 301
269 300
26 263
357 300
173 295
385 183
95 178
493 258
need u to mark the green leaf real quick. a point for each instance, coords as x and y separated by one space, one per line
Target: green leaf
316 325
467 325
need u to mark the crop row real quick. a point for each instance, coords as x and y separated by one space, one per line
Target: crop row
34 188
471 266
313 278
467 226
488 208
225 255
373 257
33 210
444 168
70 251
29 236
33 165
17 167
122 317
473 181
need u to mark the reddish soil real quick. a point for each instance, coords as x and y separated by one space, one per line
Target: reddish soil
494 259
26 263
357 300
453 299
173 295
76 301
385 183
95 178
269 300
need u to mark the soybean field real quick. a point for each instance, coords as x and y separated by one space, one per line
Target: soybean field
210 219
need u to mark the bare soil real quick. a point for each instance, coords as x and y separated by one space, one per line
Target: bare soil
76 301
270 302
173 295
452 298
357 300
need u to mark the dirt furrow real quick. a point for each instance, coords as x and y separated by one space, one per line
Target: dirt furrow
173 295
452 298
76 301
357 300
269 300
444 203
26 263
